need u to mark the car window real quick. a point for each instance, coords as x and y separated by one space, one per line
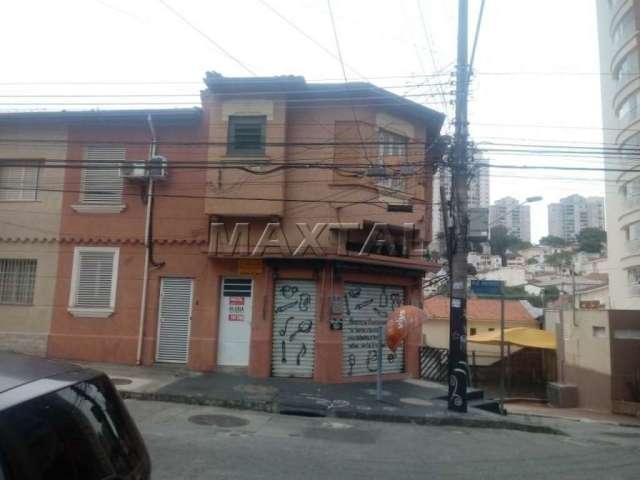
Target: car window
80 432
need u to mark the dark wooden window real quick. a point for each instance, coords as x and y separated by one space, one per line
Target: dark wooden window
246 135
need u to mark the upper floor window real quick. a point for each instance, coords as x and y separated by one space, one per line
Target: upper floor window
634 275
18 183
247 135
391 144
101 182
93 281
17 281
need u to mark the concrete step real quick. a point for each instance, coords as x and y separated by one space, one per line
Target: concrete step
492 406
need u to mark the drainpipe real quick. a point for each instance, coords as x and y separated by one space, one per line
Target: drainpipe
147 245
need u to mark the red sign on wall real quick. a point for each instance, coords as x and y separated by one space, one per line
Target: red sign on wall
236 309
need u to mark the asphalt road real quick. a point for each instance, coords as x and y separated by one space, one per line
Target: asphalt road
251 445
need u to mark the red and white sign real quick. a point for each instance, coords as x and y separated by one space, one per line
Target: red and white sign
236 309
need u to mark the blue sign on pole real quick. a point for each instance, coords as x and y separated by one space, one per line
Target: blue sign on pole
487 287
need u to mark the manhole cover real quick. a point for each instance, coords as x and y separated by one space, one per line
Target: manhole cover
256 389
416 401
223 421
121 381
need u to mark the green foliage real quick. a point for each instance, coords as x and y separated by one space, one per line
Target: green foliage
551 294
501 241
553 241
559 259
591 240
519 293
532 261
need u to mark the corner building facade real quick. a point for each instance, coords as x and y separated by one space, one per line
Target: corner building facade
268 245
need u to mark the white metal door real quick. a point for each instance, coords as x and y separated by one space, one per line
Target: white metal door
174 319
234 334
294 328
366 307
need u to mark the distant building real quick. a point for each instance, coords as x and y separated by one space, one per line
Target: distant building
573 214
478 195
516 218
511 276
484 262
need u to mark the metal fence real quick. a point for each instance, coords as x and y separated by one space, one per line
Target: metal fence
433 363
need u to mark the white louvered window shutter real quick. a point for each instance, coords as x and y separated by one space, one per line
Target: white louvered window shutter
94 279
18 183
101 180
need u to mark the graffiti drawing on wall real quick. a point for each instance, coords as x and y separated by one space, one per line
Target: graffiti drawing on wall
293 325
366 308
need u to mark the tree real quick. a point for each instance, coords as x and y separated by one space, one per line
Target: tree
532 261
591 240
553 241
559 260
551 293
501 241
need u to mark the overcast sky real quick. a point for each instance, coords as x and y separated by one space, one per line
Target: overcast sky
537 65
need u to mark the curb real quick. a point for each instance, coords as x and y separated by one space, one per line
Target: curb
576 419
269 406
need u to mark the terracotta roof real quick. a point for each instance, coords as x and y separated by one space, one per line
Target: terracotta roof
481 310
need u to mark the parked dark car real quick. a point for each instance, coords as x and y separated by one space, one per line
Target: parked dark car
62 421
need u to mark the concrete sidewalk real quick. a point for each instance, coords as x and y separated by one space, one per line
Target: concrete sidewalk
410 401
575 414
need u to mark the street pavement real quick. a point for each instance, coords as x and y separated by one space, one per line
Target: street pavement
198 442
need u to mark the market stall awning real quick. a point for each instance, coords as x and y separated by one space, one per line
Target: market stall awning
519 336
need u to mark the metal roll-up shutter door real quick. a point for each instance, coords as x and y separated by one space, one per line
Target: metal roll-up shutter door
294 328
174 320
366 307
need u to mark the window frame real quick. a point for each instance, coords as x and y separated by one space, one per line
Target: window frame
32 285
85 205
234 120
28 163
95 312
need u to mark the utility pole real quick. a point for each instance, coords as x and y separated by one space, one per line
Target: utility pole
458 368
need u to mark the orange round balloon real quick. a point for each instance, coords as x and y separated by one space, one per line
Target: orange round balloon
400 322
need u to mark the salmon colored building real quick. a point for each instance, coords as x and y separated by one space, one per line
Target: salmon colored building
274 229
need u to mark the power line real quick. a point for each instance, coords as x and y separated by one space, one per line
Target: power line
381 204
353 103
204 35
352 86
431 53
476 37
307 36
191 82
344 74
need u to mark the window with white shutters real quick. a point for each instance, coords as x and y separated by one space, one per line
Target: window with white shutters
18 183
101 180
93 287
17 281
